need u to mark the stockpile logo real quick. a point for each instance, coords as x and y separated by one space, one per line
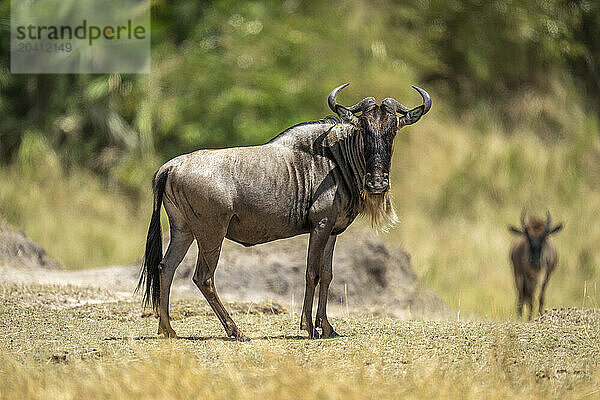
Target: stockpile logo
80 36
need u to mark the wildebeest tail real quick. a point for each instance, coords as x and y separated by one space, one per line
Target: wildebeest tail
149 275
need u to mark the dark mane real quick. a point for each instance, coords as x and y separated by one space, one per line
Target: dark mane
330 119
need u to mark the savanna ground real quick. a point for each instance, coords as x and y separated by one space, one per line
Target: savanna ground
71 342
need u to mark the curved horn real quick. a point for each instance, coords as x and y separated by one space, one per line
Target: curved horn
399 108
333 95
362 105
426 99
393 105
548 222
523 224
358 107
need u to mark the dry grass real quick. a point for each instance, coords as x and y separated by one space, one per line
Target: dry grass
109 350
172 374
81 222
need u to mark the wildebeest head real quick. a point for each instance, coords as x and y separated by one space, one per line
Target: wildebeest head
379 124
536 232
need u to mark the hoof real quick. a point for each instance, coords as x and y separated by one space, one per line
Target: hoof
310 329
243 338
167 333
306 326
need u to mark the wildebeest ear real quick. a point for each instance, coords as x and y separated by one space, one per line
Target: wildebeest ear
345 114
515 230
556 229
412 116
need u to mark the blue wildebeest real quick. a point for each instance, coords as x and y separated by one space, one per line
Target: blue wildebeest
315 178
534 258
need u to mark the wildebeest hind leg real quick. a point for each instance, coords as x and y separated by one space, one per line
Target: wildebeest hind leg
520 295
180 241
325 279
209 249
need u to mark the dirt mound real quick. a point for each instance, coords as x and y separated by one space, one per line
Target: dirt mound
570 316
18 250
369 276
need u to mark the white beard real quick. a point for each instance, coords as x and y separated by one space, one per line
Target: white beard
379 209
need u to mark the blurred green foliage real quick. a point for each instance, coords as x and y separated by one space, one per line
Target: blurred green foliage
236 73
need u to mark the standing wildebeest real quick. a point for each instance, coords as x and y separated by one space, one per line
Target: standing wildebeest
533 257
314 177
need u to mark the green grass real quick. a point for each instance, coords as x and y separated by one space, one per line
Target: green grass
108 350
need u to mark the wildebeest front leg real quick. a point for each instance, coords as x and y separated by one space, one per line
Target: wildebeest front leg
319 236
530 304
520 306
325 279
181 239
530 285
542 293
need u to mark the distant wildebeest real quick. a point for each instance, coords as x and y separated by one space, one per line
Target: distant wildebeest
315 177
534 258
